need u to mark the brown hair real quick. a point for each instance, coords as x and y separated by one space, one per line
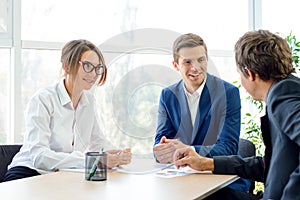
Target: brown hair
187 40
265 54
72 52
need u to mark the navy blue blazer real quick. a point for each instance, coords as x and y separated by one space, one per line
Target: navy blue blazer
280 167
217 125
282 172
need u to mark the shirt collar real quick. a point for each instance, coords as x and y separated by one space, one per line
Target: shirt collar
62 93
65 98
197 92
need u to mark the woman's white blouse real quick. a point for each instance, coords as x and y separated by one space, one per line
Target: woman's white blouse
57 136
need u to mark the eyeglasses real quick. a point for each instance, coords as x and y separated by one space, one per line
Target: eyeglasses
89 67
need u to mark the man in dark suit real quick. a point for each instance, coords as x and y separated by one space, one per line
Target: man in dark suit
201 110
265 65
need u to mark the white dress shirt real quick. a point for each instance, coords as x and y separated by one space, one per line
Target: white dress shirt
57 136
193 100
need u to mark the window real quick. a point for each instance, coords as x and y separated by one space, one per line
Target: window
4 93
137 52
136 37
99 21
5 22
39 69
3 17
281 16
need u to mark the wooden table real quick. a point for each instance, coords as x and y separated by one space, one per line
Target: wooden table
72 185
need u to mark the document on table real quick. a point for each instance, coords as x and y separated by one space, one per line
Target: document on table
142 166
174 172
150 166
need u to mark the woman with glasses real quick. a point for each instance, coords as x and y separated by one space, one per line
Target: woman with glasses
61 120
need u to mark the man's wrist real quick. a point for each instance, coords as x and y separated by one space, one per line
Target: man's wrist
209 163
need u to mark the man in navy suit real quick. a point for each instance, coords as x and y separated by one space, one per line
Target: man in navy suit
265 65
201 110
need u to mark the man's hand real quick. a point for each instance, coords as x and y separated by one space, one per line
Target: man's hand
166 148
188 157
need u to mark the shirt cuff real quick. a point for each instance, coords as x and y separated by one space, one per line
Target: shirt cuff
193 148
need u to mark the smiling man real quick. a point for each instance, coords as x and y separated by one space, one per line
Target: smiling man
265 65
201 110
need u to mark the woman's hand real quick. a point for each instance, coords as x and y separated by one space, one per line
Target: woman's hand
125 156
118 157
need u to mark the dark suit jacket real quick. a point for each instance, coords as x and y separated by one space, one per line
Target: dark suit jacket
280 168
217 124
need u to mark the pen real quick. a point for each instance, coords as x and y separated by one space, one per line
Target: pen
95 164
168 166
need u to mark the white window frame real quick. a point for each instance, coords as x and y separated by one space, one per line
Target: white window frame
6 37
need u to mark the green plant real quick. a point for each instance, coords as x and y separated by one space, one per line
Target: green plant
295 49
250 123
251 130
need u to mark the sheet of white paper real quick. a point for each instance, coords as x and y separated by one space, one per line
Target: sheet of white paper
143 166
174 172
73 170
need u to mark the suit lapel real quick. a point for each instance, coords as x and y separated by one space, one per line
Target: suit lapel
203 108
185 128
